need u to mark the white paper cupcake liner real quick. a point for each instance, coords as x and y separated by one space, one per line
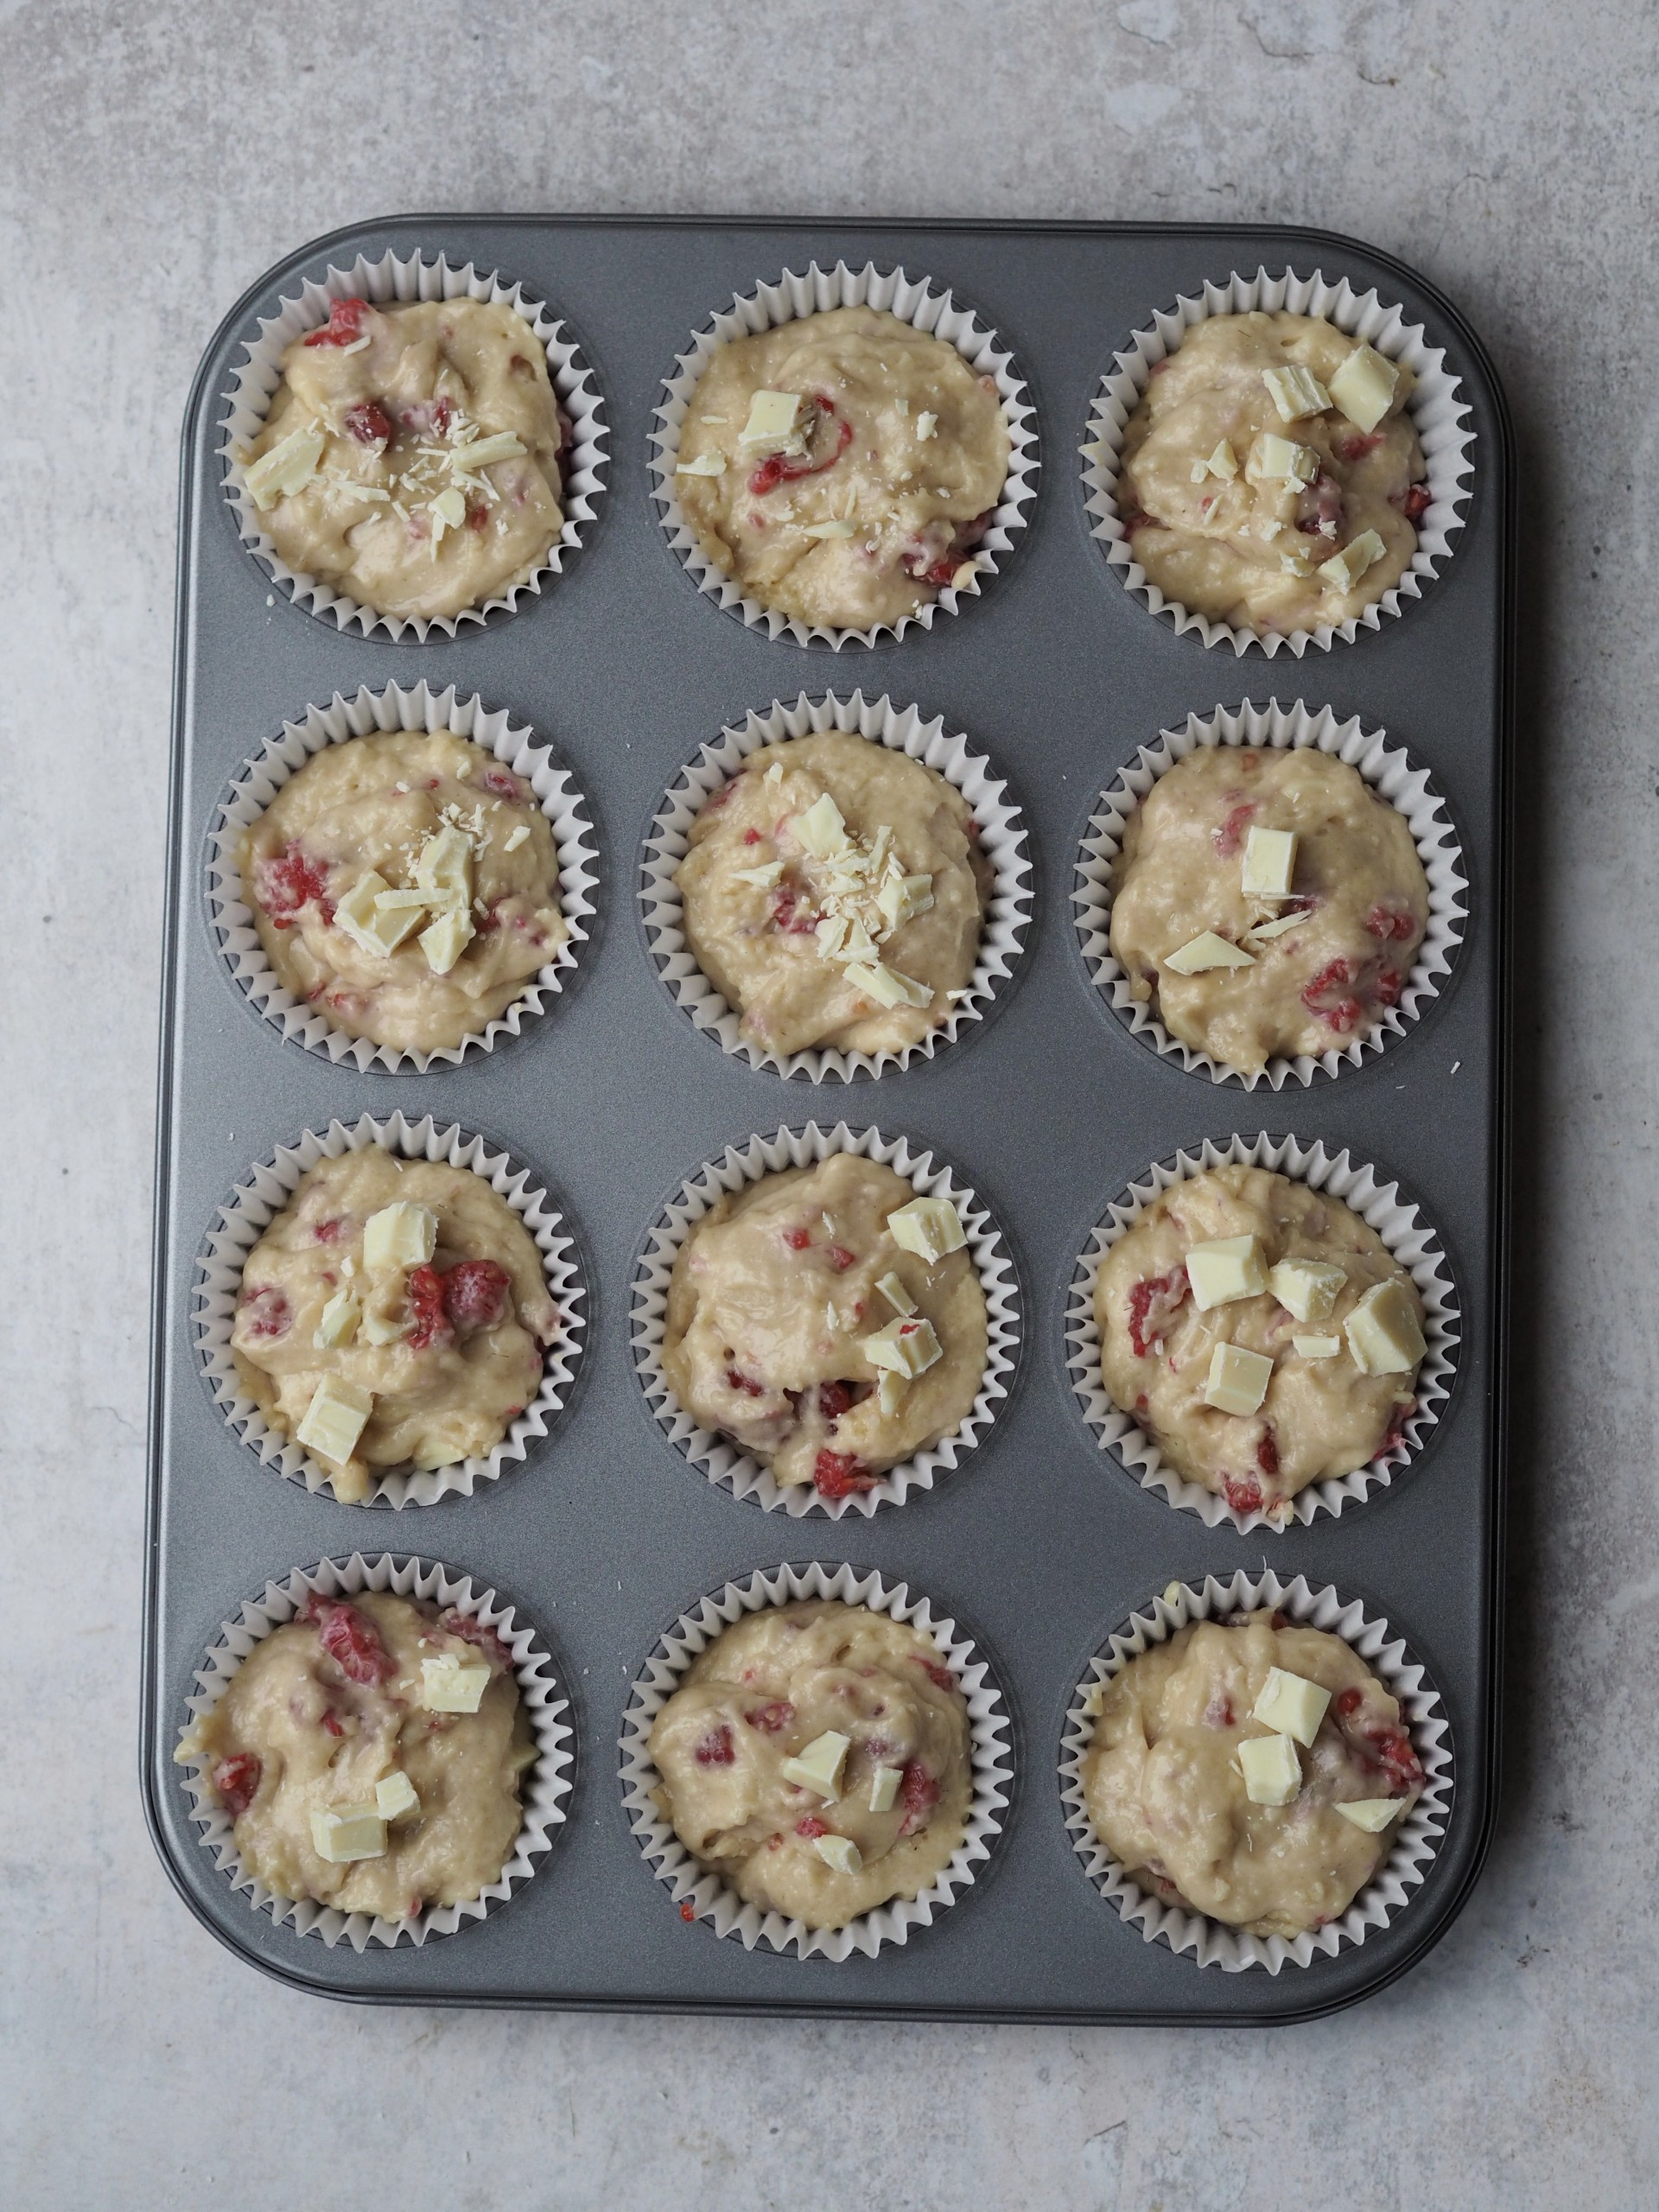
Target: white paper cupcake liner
1436 407
256 784
244 1218
914 299
546 1784
708 1896
1386 768
392 281
1210 1941
1408 1238
1002 840
724 1462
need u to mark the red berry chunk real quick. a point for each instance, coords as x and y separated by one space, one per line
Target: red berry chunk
287 882
840 1259
809 1825
834 1399
783 468
1327 996
350 1639
1389 984
477 514
919 1793
1267 1452
1414 502
235 1779
1390 922
797 1239
1399 1762
838 1474
1231 835
1356 444
771 1718
788 913
265 1313
470 1629
369 423
940 1676
715 1749
1396 1429
423 1289
475 1294
1154 1304
688 1911
344 326
736 1382
750 836
1219 1713
1349 1701
331 1723
501 783
326 1232
1243 1493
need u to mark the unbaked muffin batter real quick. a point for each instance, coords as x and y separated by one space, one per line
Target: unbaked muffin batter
869 499
330 1709
1322 1414
773 1300
849 929
1232 507
1167 1799
446 1350
357 827
1324 959
770 1689
412 456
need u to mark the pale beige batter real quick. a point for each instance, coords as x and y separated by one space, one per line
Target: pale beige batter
1168 1799
899 452
775 924
325 1708
388 509
1321 1415
465 1329
1358 893
763 1693
370 808
770 1295
1244 547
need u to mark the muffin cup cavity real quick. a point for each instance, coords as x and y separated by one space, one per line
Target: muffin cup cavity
371 713
1210 1942
706 1894
1389 771
1002 839
245 1215
1438 409
393 280
914 299
1410 1241
724 1462
547 1784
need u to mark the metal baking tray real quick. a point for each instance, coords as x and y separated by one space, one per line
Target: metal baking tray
1039 1543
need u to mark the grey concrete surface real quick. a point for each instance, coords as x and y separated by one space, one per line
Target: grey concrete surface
152 160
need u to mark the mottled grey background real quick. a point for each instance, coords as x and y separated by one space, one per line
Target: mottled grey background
152 161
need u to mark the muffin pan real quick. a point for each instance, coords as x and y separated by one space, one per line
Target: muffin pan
1039 1545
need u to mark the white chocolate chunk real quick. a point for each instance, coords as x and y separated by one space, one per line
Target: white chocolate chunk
451 1684
446 863
1363 387
1269 863
964 576
342 1833
928 1227
1276 460
1296 564
771 418
926 424
889 987
337 1323
450 509
1222 462
839 1853
1271 1768
907 1347
901 898
516 837
1291 1704
897 1296
399 1235
818 1767
1296 392
447 939
890 1390
1224 1268
395 913
1264 932
482 451
1383 1332
336 1418
395 1796
828 529
821 828
1317 1347
287 469
1207 950
374 930
1371 1814
1237 1381
1307 1289
384 1328
884 1788
765 877
1344 570
706 464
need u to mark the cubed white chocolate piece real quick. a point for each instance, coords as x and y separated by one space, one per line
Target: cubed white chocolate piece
765 876
287 469
341 1834
1276 460
1344 570
337 1323
908 1346
382 1328
451 1684
839 1853
1207 950
884 1788
835 528
446 862
821 828
450 508
396 914
1307 1289
891 986
1237 1381
1296 392
1222 462
901 898
892 1289
1291 1704
1224 1268
1317 1347
482 452
401 1235
1382 1331
818 1767
706 464
771 418
926 423
1371 1814
336 1418
516 837
1269 863
929 1227
890 1389
396 1797
1363 387
1271 1768
446 939
354 912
